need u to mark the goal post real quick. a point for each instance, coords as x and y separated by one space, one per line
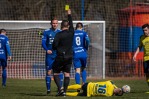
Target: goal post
28 57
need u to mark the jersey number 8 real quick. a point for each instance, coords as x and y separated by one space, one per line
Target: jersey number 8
78 41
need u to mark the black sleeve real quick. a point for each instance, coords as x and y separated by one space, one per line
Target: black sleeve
55 42
70 23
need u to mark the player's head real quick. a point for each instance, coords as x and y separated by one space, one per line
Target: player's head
118 92
2 31
79 26
54 23
64 24
145 29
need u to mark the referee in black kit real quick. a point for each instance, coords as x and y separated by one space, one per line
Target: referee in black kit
63 46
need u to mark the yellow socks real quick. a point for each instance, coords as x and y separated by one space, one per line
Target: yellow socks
72 93
74 87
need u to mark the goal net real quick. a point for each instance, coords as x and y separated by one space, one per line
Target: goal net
28 56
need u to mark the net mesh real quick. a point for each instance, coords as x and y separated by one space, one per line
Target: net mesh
29 57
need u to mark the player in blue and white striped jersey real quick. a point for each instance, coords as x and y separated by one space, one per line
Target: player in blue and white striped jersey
5 54
47 41
80 46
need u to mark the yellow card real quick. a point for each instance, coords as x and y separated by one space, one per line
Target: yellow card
66 7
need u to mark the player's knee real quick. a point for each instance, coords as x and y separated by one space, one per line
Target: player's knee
66 74
49 72
78 70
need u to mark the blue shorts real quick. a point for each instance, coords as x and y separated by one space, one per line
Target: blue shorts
79 62
146 66
3 62
79 58
49 63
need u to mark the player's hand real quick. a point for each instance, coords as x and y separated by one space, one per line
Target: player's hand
49 51
9 58
69 11
134 58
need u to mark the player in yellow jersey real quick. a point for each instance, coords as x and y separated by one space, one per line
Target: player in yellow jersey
144 42
105 88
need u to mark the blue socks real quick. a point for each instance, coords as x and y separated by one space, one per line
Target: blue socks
61 76
77 78
48 82
84 76
4 77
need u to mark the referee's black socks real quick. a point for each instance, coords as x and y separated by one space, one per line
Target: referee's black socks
57 81
66 83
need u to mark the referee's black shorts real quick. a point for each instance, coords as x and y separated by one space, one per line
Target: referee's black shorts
62 64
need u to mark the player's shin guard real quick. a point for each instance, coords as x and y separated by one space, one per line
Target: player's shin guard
61 76
4 77
48 82
84 76
66 83
77 78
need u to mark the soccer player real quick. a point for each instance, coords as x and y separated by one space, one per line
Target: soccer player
144 42
47 41
5 54
105 88
80 46
63 46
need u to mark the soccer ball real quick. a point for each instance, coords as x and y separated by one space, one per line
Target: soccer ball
126 89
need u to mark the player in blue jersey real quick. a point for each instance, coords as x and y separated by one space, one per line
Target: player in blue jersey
80 46
5 54
47 41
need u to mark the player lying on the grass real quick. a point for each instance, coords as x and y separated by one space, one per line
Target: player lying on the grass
105 88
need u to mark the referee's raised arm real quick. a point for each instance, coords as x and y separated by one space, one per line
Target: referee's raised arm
70 21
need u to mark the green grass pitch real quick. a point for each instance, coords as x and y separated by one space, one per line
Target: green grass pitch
35 89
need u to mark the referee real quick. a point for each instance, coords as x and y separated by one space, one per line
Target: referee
63 46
